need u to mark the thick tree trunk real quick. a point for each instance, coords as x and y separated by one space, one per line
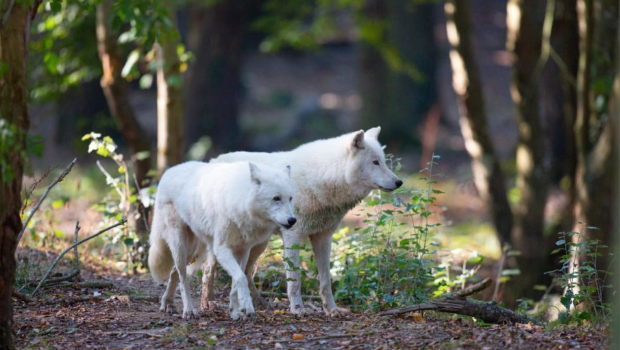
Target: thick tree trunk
393 99
218 35
115 89
488 175
169 99
14 121
524 22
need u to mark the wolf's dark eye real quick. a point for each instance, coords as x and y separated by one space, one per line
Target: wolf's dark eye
375 162
276 198
290 199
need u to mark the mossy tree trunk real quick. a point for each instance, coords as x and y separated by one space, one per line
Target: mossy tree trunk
14 123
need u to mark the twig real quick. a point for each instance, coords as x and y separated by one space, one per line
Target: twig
474 288
122 222
52 280
76 261
502 260
58 179
35 184
111 180
89 284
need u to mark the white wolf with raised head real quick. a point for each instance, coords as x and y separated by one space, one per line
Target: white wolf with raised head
225 209
330 177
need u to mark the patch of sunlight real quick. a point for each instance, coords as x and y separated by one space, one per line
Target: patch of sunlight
474 236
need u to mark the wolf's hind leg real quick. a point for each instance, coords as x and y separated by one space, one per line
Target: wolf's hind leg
250 267
167 300
183 245
207 298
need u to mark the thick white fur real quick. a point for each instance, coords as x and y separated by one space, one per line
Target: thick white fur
225 209
330 177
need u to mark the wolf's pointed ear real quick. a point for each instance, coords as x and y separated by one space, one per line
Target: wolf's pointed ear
357 142
373 132
288 170
254 173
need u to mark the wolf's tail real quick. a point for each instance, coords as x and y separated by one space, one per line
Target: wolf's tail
160 257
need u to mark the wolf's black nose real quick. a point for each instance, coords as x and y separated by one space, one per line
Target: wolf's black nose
291 221
398 183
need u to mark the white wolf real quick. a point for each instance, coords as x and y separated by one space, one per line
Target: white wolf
330 177
225 209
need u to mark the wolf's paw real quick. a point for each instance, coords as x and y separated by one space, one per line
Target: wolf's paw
168 307
299 310
244 308
338 312
242 314
189 314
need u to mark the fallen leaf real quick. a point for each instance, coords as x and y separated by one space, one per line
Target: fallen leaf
297 336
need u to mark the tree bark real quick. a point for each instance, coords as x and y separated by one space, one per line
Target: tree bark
488 175
218 36
115 90
524 21
169 99
14 119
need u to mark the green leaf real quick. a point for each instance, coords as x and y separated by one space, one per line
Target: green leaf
57 204
560 242
134 56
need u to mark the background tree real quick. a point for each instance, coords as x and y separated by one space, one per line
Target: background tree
169 98
219 33
116 90
488 175
14 123
525 20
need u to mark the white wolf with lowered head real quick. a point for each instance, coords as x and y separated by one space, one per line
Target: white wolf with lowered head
226 209
330 176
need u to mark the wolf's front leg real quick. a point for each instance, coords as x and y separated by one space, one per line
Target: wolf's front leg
292 241
322 246
240 299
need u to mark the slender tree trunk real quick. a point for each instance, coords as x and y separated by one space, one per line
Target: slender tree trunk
14 123
524 22
115 90
218 36
169 99
488 175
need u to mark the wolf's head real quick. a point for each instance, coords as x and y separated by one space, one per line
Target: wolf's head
273 194
366 164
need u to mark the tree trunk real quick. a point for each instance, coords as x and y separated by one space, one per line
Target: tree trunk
115 90
488 175
524 21
218 36
393 99
169 100
14 121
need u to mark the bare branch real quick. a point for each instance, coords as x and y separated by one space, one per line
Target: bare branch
58 179
122 222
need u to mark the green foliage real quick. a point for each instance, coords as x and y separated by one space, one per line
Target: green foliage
64 40
582 279
11 139
121 201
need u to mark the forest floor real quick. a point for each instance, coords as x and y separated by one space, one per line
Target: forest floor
123 313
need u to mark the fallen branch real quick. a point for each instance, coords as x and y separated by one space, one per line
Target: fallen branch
488 312
47 190
271 295
89 284
20 296
122 222
51 281
92 298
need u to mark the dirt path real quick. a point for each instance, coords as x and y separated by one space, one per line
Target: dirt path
111 318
